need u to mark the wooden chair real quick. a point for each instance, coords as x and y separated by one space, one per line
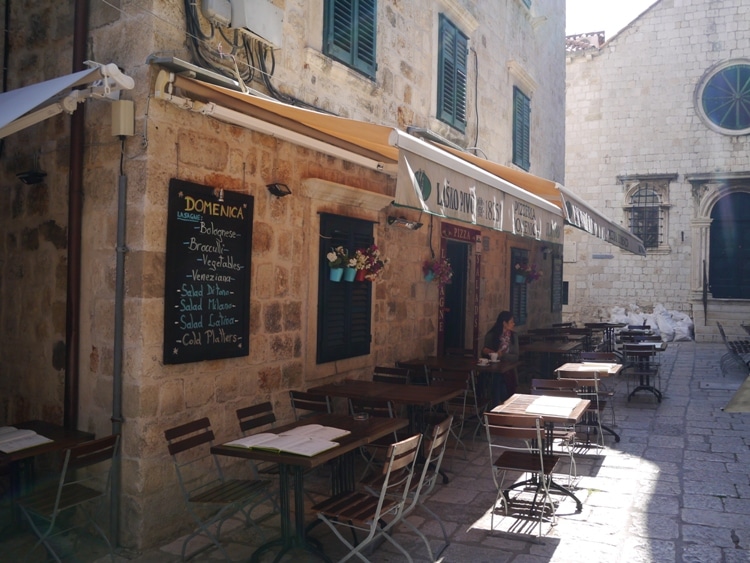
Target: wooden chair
456 407
204 486
605 393
387 374
586 386
79 486
564 436
374 514
509 438
306 404
374 452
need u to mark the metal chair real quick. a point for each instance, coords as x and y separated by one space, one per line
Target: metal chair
203 485
586 386
374 514
44 508
456 407
306 404
563 436
387 374
509 437
374 452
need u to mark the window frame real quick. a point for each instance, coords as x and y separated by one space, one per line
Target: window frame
344 308
714 83
353 22
660 191
521 129
453 54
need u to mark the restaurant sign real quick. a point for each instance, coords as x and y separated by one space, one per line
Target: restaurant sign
580 215
440 190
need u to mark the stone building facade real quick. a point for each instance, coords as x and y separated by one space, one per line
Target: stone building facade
643 146
60 357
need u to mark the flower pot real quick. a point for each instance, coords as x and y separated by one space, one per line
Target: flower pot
429 276
520 278
336 274
349 274
360 275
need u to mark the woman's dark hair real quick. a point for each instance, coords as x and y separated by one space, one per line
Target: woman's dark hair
503 317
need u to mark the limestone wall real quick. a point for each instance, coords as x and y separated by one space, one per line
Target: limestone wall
630 111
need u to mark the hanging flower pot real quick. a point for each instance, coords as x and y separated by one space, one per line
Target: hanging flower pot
360 276
349 274
429 276
336 274
520 278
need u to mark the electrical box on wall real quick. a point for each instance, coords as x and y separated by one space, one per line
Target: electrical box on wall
259 18
218 12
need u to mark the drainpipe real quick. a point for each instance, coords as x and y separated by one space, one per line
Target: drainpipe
75 212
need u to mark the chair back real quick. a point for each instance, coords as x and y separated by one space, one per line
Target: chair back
189 445
554 387
450 378
387 374
604 357
374 407
513 427
306 404
460 352
255 416
433 447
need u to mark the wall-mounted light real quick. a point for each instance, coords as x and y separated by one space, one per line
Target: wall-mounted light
34 176
219 194
279 190
403 223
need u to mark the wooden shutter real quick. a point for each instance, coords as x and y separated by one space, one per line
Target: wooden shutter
344 308
350 32
521 129
452 75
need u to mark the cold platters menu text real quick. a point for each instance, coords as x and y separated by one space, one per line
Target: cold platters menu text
207 289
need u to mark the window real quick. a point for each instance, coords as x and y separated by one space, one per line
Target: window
350 31
646 209
521 129
344 308
725 98
644 217
453 52
518 286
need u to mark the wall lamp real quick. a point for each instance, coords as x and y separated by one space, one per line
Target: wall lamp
34 176
403 223
279 190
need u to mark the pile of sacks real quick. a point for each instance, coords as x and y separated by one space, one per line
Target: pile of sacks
672 326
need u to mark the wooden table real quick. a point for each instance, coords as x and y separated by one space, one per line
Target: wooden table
21 462
519 404
361 433
586 370
547 350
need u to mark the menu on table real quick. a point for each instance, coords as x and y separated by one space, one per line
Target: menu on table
207 281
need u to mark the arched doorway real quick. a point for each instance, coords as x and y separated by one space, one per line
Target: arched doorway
729 267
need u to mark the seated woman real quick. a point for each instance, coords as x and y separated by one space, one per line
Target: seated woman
502 340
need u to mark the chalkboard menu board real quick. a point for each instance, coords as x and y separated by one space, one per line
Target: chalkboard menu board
207 289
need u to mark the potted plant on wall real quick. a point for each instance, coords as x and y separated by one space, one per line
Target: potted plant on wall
338 257
373 263
527 273
438 269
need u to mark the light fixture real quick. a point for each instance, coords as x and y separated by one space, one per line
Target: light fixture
403 223
279 190
34 176
219 194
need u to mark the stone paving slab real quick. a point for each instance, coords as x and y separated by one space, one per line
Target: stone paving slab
672 490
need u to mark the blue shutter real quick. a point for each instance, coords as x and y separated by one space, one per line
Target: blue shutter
350 33
452 75
521 129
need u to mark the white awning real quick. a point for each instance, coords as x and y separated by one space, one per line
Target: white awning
23 107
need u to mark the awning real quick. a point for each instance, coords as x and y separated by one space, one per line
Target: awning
23 107
740 401
577 212
474 190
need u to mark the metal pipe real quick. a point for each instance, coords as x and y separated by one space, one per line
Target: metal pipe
75 212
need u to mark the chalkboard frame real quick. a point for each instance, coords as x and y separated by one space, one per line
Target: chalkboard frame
223 286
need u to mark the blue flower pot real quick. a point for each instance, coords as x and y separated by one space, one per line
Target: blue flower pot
520 278
349 274
336 274
429 276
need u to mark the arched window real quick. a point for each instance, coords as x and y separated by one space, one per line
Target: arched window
645 217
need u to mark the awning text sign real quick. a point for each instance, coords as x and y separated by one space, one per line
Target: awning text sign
433 188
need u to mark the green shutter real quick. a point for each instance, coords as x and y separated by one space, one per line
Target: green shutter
350 33
521 129
344 308
452 75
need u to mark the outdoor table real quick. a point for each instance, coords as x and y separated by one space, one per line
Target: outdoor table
609 332
21 462
547 351
642 362
571 413
588 369
362 432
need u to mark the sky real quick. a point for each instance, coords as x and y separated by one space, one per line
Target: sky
609 16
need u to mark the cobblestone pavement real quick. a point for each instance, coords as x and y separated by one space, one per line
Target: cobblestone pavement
675 488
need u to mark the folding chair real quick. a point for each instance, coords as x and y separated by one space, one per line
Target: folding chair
386 374
433 447
587 387
455 407
377 449
374 515
520 449
204 486
251 419
79 485
605 393
308 404
563 436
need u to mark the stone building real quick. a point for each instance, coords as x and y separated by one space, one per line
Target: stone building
289 133
657 138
